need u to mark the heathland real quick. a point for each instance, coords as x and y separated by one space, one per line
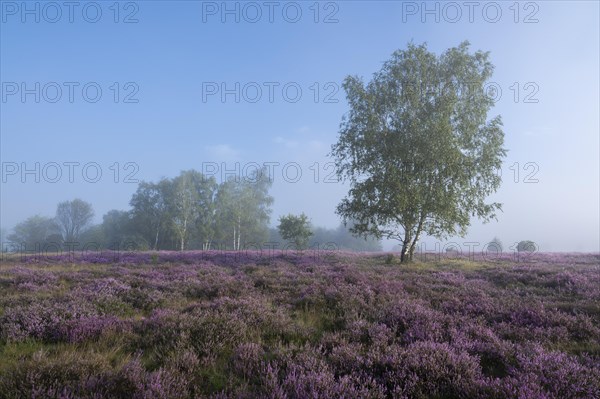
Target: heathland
291 325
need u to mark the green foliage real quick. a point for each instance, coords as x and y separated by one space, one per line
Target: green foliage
190 211
115 226
94 238
243 210
417 147
344 239
296 229
526 246
150 211
339 238
35 231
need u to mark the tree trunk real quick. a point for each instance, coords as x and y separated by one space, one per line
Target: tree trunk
411 251
184 234
156 241
234 238
405 254
239 232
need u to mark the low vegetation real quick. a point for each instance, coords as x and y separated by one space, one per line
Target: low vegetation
289 325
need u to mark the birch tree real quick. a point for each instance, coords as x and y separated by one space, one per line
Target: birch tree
151 211
184 209
243 209
417 147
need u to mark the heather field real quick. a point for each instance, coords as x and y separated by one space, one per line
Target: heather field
318 325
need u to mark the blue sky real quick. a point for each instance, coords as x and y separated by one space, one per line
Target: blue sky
178 51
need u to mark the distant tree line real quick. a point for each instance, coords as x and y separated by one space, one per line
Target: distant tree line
339 238
189 211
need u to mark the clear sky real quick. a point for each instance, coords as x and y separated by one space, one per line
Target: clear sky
187 84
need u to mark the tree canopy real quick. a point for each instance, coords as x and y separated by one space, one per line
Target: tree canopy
417 147
295 229
35 231
193 211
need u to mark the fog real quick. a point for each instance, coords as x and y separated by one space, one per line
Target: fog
92 105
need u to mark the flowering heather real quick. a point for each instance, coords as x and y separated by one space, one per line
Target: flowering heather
289 325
